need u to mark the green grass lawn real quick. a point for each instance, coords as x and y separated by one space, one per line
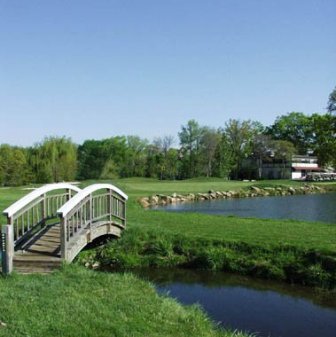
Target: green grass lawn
253 231
264 232
76 302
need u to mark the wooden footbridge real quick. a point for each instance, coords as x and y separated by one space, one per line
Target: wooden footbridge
55 222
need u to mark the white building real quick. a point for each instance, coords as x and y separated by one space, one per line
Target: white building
301 165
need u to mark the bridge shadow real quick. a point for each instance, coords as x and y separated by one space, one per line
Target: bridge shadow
45 242
100 241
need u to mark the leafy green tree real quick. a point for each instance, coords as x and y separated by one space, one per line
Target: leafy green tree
239 136
54 160
165 162
135 159
223 161
13 166
190 139
172 164
154 162
294 127
110 170
102 158
283 151
324 127
332 102
91 159
209 142
262 147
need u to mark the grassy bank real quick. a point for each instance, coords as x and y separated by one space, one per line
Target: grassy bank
77 302
140 247
81 303
295 251
288 250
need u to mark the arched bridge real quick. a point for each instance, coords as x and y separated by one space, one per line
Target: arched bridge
55 222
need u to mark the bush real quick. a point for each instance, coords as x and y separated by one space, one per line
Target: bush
158 248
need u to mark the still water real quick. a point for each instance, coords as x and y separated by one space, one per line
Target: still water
262 307
311 207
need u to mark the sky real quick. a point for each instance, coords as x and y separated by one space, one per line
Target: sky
92 69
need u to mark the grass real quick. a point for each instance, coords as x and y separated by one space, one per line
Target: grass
77 302
307 235
82 303
139 247
265 233
138 187
295 251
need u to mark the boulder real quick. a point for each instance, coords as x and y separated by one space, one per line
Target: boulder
191 197
154 199
144 202
255 189
96 265
291 190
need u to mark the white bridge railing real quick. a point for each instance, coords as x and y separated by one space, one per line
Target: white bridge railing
26 216
94 206
84 215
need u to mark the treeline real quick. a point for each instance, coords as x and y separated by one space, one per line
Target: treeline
201 151
53 160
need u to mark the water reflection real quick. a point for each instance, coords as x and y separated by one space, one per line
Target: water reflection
314 207
269 308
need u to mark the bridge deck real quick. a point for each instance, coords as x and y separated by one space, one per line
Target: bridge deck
41 253
93 212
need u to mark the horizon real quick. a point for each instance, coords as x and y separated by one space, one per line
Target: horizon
175 144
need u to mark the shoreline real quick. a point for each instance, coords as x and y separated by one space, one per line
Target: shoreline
251 192
159 248
157 245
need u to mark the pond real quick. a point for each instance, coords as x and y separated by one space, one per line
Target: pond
258 306
309 207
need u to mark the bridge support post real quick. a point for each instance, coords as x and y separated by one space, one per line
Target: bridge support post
7 248
63 239
44 209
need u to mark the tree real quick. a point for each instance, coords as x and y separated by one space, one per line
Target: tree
283 151
262 147
163 145
239 136
13 166
324 127
223 161
92 158
135 159
114 151
54 160
332 102
190 138
294 127
209 142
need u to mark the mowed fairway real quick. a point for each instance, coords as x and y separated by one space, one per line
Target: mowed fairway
307 235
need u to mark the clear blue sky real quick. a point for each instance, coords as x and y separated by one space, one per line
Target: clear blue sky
99 68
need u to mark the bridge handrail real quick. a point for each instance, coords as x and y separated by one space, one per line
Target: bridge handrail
79 197
26 200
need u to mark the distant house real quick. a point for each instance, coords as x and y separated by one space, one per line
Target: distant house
271 168
302 165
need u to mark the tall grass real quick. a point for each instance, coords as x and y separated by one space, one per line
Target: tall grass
140 247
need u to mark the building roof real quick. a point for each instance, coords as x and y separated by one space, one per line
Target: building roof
307 168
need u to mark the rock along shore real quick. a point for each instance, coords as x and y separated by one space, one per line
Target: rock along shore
253 191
